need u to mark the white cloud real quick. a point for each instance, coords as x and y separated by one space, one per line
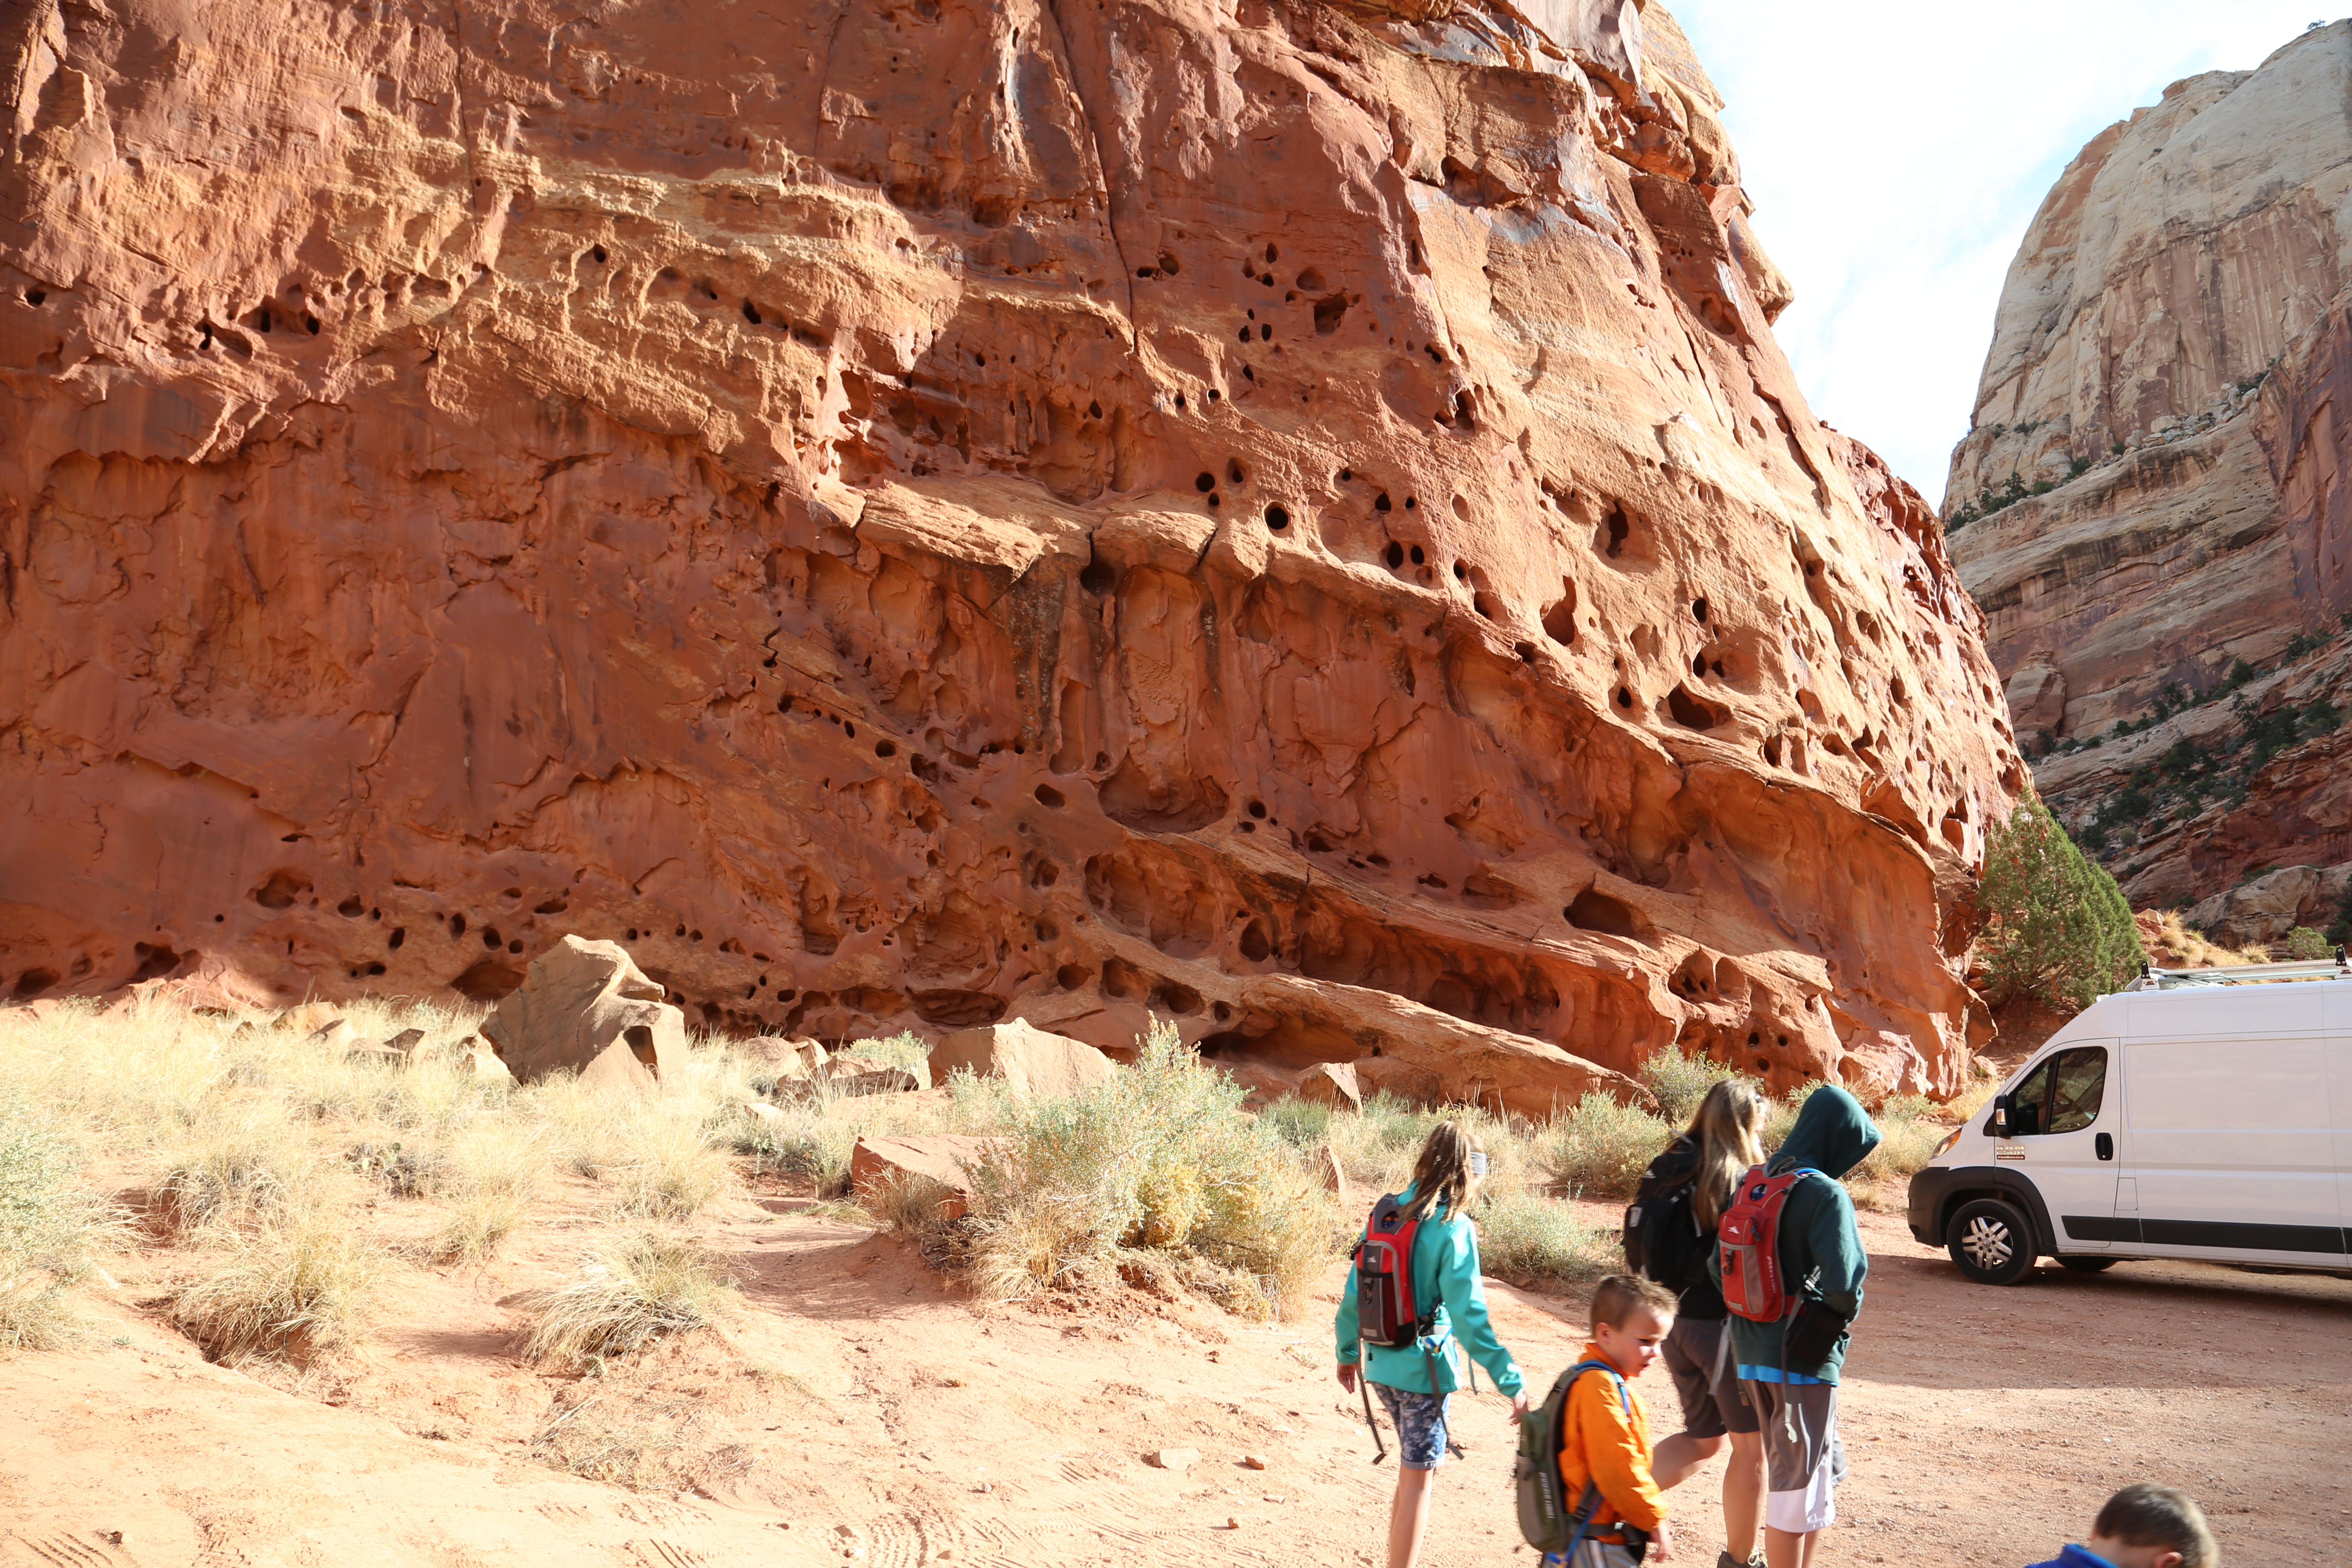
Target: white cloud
1895 153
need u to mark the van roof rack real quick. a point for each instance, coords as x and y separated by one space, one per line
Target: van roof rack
2156 979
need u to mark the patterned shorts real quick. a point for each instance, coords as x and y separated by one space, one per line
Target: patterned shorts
1420 1424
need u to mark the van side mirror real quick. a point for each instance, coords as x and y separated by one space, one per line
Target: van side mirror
2000 1116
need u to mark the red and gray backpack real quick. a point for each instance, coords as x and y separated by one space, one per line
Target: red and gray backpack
1748 1236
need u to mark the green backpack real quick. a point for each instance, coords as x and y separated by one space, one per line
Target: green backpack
1545 1518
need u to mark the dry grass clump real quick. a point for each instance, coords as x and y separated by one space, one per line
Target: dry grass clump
1680 1081
625 1294
1533 1241
1157 1161
905 1049
493 1169
241 1166
1602 1146
2195 950
296 1293
49 1227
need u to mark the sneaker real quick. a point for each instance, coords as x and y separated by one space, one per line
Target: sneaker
1725 1560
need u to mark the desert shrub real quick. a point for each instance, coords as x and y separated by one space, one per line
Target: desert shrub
297 1292
1680 1082
802 1143
670 1171
50 1225
2304 943
2196 949
1602 1146
2057 928
1910 1128
583 1440
1157 1159
905 1049
1301 1123
1533 1241
624 1296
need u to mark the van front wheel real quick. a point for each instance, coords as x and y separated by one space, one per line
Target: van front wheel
1991 1242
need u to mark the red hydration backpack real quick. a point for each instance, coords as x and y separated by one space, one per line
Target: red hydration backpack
1748 1237
1386 1312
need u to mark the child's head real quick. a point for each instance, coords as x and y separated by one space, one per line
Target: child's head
1631 1316
1729 1130
1448 1171
2149 1526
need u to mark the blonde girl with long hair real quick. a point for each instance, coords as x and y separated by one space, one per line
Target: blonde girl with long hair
1723 1142
1445 1180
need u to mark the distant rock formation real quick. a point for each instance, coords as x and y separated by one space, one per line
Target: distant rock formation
1292 521
2148 500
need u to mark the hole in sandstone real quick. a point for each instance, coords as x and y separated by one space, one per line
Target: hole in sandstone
1619 528
1047 794
488 981
1329 312
1409 503
281 889
1418 558
1461 572
399 935
34 297
1763 1064
693 936
1431 879
1070 977
1213 503
351 908
1381 501
1257 809
1169 264
1689 712
1214 394
1176 997
884 749
750 312
1699 608
1244 334
1277 518
850 730
1624 698
1699 664
1271 253
1180 401
1249 827
490 937
1395 555
1264 335
1597 912
1233 472
1257 944
1094 410
1772 749
1486 605
1311 281
1204 482
1526 650
310 324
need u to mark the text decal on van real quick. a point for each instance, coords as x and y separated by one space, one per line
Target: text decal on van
2012 1152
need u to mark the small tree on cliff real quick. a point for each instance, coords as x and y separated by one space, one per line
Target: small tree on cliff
2057 930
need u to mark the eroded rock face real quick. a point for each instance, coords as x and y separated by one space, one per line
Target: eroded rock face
2179 296
1292 518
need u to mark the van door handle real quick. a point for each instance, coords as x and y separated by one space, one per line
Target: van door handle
2105 1144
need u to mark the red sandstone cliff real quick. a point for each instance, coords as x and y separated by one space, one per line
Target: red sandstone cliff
2167 357
1288 517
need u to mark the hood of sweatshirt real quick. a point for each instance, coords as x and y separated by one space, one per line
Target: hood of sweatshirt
1833 1134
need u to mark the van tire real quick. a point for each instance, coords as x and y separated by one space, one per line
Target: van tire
2087 1265
1992 1243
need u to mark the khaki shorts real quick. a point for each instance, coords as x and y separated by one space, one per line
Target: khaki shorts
1706 1379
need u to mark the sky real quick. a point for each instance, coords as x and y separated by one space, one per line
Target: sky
1897 152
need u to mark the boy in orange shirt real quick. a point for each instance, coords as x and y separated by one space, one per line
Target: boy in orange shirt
1605 1433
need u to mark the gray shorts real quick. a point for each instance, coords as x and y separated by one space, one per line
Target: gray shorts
1804 1455
1706 1379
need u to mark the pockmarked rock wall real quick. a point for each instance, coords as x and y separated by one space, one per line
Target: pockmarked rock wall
1287 517
2165 358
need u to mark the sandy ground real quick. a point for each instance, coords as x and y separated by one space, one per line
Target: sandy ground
857 1411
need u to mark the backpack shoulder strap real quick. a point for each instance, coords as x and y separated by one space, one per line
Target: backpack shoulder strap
1624 1398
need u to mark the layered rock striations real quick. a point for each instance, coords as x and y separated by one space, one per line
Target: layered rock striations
1290 519
2162 372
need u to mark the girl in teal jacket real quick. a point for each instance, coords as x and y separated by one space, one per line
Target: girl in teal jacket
1445 1270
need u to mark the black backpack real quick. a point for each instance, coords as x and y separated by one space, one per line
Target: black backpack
1662 1239
1546 1520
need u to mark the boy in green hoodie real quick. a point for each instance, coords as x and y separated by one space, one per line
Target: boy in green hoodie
1792 1391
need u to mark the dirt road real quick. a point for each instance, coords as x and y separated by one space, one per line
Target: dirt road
857 1413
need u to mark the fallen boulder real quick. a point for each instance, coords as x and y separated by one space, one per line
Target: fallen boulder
1030 1061
587 1008
946 1158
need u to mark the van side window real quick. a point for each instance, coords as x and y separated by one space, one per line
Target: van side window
2062 1095
2077 1085
2026 1105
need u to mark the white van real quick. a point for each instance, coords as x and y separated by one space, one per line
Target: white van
2197 1114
